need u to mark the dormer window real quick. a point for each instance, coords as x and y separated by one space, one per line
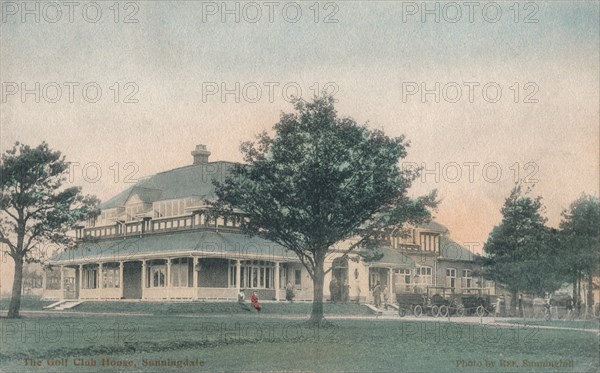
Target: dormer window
174 207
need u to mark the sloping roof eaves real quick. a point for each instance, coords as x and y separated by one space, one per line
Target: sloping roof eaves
434 226
195 243
392 258
451 250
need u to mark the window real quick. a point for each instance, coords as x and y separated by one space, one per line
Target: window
110 276
402 280
298 277
254 274
90 278
132 210
156 275
180 272
424 275
451 278
107 217
176 207
232 274
467 279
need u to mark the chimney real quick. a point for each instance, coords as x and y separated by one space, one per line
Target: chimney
200 154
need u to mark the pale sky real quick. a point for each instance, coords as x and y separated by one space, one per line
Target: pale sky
372 51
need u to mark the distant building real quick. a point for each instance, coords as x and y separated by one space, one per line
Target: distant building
156 241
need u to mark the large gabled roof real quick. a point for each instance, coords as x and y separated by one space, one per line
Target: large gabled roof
189 181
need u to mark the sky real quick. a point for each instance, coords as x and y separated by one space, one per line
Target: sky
487 94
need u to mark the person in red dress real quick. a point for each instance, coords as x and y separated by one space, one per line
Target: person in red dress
254 300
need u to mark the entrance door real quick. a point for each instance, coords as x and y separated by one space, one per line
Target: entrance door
341 287
70 289
132 280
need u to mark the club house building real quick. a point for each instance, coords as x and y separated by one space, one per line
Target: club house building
155 241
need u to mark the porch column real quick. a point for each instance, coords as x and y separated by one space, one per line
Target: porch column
194 277
389 286
238 273
121 277
277 282
80 279
143 276
168 278
62 282
99 276
44 278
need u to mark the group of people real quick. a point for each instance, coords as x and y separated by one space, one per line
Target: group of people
289 295
253 300
339 291
378 291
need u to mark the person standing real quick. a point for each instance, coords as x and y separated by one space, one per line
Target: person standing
569 307
333 290
289 292
255 304
377 294
520 304
346 292
385 297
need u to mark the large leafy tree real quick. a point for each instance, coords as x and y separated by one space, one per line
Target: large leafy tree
520 252
35 207
581 248
321 180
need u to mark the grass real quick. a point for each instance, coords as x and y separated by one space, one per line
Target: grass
204 308
254 343
28 302
577 324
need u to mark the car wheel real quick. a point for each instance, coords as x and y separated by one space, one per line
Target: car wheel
443 312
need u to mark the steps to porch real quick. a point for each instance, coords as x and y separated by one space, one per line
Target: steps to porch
391 310
64 305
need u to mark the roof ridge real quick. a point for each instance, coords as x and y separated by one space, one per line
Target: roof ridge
192 165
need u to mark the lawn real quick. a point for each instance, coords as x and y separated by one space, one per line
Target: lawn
191 308
577 324
229 308
271 343
28 302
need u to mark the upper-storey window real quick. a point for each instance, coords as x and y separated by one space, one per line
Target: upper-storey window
429 242
131 211
108 216
402 238
174 207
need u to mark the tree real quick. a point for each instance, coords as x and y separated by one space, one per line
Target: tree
35 208
520 252
319 181
580 253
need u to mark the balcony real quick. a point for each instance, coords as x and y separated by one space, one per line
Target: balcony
160 226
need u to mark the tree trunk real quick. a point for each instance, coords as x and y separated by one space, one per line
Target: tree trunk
513 303
590 293
317 309
15 301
